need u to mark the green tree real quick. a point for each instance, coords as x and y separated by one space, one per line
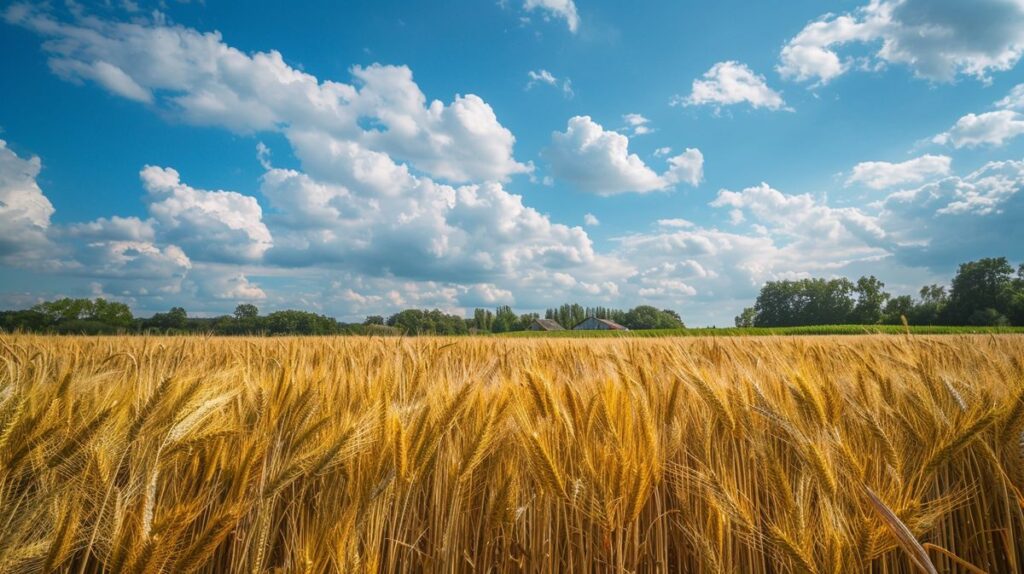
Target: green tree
570 314
525 320
483 319
419 322
111 313
931 307
66 309
29 320
980 285
176 318
871 298
504 319
246 311
97 313
649 317
804 302
671 319
1016 305
746 318
292 322
410 321
987 317
897 307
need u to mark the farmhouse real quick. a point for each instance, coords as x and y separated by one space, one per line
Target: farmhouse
595 324
545 325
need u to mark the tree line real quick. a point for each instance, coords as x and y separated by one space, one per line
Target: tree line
985 292
102 317
568 315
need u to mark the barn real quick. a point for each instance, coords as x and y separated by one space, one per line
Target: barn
595 324
545 325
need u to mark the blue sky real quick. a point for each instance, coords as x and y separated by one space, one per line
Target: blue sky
366 157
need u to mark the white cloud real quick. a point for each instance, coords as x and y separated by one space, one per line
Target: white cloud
800 216
882 174
541 77
104 254
687 167
730 83
211 225
565 9
937 39
108 75
363 224
982 192
24 211
352 213
637 124
990 128
598 161
201 79
113 228
904 237
132 260
545 77
380 220
674 222
1014 100
231 287
591 220
959 217
485 294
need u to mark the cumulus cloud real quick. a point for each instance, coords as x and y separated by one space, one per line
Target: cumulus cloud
380 220
24 211
366 204
883 174
230 287
598 161
211 225
591 220
201 79
779 236
993 128
136 261
564 9
687 167
985 207
800 216
906 236
121 250
113 228
730 83
369 222
936 39
986 129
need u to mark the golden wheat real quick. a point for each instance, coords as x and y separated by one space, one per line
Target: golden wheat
817 454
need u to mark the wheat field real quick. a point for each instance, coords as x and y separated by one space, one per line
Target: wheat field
814 454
